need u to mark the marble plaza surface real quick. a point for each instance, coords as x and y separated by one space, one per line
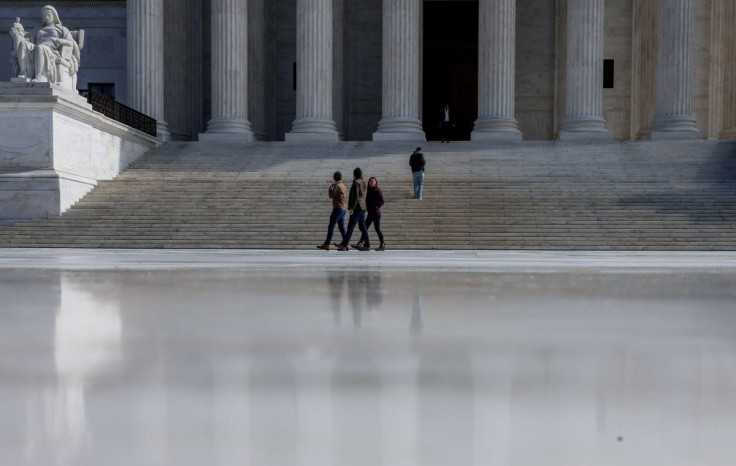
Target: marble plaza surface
210 357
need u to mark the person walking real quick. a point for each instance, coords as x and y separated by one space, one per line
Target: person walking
338 193
373 202
417 164
356 207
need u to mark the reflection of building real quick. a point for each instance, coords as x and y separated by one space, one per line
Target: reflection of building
388 65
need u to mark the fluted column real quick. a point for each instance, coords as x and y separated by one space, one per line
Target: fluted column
673 105
584 72
229 72
146 60
496 71
401 71
314 44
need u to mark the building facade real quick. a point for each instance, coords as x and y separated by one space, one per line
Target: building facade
383 69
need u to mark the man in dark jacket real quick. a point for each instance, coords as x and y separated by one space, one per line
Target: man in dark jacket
356 208
417 163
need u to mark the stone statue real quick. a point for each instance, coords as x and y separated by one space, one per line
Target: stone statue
50 54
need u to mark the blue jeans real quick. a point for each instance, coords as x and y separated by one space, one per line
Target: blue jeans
358 218
336 217
418 183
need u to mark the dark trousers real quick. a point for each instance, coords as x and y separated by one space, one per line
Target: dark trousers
445 128
337 217
358 218
375 220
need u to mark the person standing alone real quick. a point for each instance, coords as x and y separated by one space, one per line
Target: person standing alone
446 124
417 163
338 193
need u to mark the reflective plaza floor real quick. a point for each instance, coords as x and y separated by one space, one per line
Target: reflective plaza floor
398 358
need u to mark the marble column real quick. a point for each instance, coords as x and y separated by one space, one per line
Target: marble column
673 117
146 60
314 43
496 71
584 72
401 72
257 24
229 73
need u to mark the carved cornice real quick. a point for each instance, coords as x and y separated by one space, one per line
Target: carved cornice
64 3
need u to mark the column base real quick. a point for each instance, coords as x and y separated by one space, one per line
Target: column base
496 129
327 137
226 137
674 127
162 131
584 128
728 134
313 129
399 129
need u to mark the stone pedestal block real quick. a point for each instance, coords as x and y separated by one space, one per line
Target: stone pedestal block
54 149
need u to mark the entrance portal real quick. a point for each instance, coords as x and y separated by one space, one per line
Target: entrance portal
450 66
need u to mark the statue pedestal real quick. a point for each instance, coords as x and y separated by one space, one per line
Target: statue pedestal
54 149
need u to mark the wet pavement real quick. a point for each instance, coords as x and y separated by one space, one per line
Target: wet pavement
397 358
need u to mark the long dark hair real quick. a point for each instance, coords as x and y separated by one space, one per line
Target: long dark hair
369 183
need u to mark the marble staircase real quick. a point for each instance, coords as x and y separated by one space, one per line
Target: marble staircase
642 195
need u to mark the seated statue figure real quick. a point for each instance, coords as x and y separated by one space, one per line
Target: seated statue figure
50 54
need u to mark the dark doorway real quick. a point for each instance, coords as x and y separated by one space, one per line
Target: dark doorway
450 66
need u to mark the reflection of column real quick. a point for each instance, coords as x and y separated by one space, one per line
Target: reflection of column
584 72
673 106
401 71
492 410
399 443
445 403
416 324
496 71
81 355
314 72
151 414
314 411
232 411
229 72
146 60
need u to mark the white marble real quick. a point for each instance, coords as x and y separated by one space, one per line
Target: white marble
49 54
146 72
402 73
412 358
673 110
229 72
496 71
584 71
314 73
54 149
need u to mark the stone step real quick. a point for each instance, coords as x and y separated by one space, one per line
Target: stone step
548 195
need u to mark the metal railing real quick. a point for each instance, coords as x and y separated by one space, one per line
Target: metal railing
111 108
